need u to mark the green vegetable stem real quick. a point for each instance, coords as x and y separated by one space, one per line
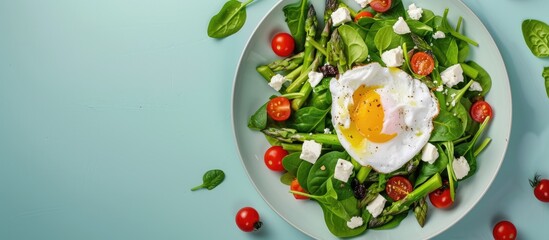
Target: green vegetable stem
402 205
229 20
291 135
211 179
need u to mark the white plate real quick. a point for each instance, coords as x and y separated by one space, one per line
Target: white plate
250 91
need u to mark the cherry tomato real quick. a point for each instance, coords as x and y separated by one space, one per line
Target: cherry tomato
480 110
279 108
541 188
441 198
504 230
247 219
398 187
380 5
283 44
422 63
273 158
363 14
296 187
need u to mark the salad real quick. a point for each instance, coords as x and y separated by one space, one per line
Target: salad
378 111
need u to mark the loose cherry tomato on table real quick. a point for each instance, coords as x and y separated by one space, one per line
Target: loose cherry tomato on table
480 110
422 63
398 187
283 44
294 186
273 158
380 5
541 188
247 219
441 198
363 14
504 230
279 108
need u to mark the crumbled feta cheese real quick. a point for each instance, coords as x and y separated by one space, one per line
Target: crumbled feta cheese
315 78
453 103
475 86
355 222
327 131
414 11
461 167
401 27
440 88
452 75
393 57
439 34
340 16
277 81
310 151
363 3
429 153
376 207
343 170
453 95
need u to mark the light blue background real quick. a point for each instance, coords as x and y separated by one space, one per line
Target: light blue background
110 111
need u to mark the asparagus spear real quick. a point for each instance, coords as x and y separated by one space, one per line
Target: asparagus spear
402 205
287 64
420 211
291 135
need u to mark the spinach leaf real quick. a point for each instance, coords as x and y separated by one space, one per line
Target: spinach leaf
447 127
355 47
303 173
291 162
483 79
545 75
295 15
322 171
419 28
338 226
428 170
449 51
455 95
428 17
287 178
211 179
329 200
396 10
536 35
258 121
228 20
461 112
394 222
306 119
383 38
463 51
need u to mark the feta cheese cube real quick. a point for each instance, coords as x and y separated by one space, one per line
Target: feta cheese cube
401 27
376 207
355 222
461 167
452 75
310 151
475 86
414 12
327 131
393 57
363 3
429 153
277 81
343 170
438 35
340 16
315 78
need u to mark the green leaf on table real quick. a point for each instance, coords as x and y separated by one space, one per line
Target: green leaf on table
228 20
536 36
211 179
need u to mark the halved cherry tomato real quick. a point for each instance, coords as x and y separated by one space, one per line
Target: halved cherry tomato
363 14
380 5
422 63
283 44
398 187
247 219
296 187
273 158
441 198
279 108
504 230
480 110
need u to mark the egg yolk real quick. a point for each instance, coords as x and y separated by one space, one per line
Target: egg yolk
367 117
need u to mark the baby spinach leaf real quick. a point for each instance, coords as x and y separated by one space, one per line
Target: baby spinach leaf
291 162
461 112
306 119
258 121
211 179
295 15
355 47
427 170
396 10
229 20
419 28
455 95
287 178
322 171
394 222
447 127
483 79
545 75
449 48
338 226
383 38
427 17
536 35
303 173
463 51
